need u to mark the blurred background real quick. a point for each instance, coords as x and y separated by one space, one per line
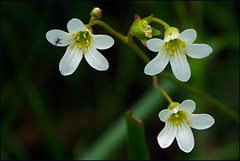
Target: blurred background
47 116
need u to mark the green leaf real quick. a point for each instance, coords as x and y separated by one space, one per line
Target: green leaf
136 143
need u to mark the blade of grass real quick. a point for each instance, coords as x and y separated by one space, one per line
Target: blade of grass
136 142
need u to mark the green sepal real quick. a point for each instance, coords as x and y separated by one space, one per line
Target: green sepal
138 28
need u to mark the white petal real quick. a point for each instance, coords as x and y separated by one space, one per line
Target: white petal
167 135
75 25
95 59
180 66
185 137
58 37
188 36
188 106
102 41
198 50
158 64
164 114
201 121
155 44
70 60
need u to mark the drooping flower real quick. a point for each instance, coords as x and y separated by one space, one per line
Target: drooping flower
174 48
81 42
179 120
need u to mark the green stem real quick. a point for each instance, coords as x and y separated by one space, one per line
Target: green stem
160 22
135 48
111 30
155 84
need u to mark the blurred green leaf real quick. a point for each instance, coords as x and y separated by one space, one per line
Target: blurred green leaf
136 142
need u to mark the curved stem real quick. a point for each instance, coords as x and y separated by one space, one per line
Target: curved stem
161 22
135 48
111 30
155 84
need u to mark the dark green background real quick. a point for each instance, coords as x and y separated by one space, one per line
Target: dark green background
45 115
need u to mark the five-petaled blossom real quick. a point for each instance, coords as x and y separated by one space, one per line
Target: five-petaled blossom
81 42
179 120
174 48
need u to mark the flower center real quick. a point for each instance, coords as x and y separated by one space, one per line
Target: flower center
82 39
175 45
178 118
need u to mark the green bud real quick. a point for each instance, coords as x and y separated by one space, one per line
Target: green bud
96 13
142 30
171 33
174 106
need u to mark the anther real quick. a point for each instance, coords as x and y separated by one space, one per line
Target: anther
87 43
183 44
188 122
78 38
79 46
174 48
184 52
170 117
171 53
177 116
184 112
84 36
72 46
177 122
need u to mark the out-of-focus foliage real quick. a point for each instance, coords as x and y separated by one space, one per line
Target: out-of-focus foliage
45 115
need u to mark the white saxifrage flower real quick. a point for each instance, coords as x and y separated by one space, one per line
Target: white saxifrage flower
179 120
81 42
174 48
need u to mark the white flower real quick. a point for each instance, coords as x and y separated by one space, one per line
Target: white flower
178 123
174 48
81 42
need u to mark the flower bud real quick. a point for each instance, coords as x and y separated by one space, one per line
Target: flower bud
171 33
174 106
96 13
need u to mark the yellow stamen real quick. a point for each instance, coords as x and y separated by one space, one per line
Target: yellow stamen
177 116
171 53
73 34
87 43
84 35
169 118
183 44
84 51
72 46
79 46
174 48
184 52
167 47
177 122
183 112
78 38
188 122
